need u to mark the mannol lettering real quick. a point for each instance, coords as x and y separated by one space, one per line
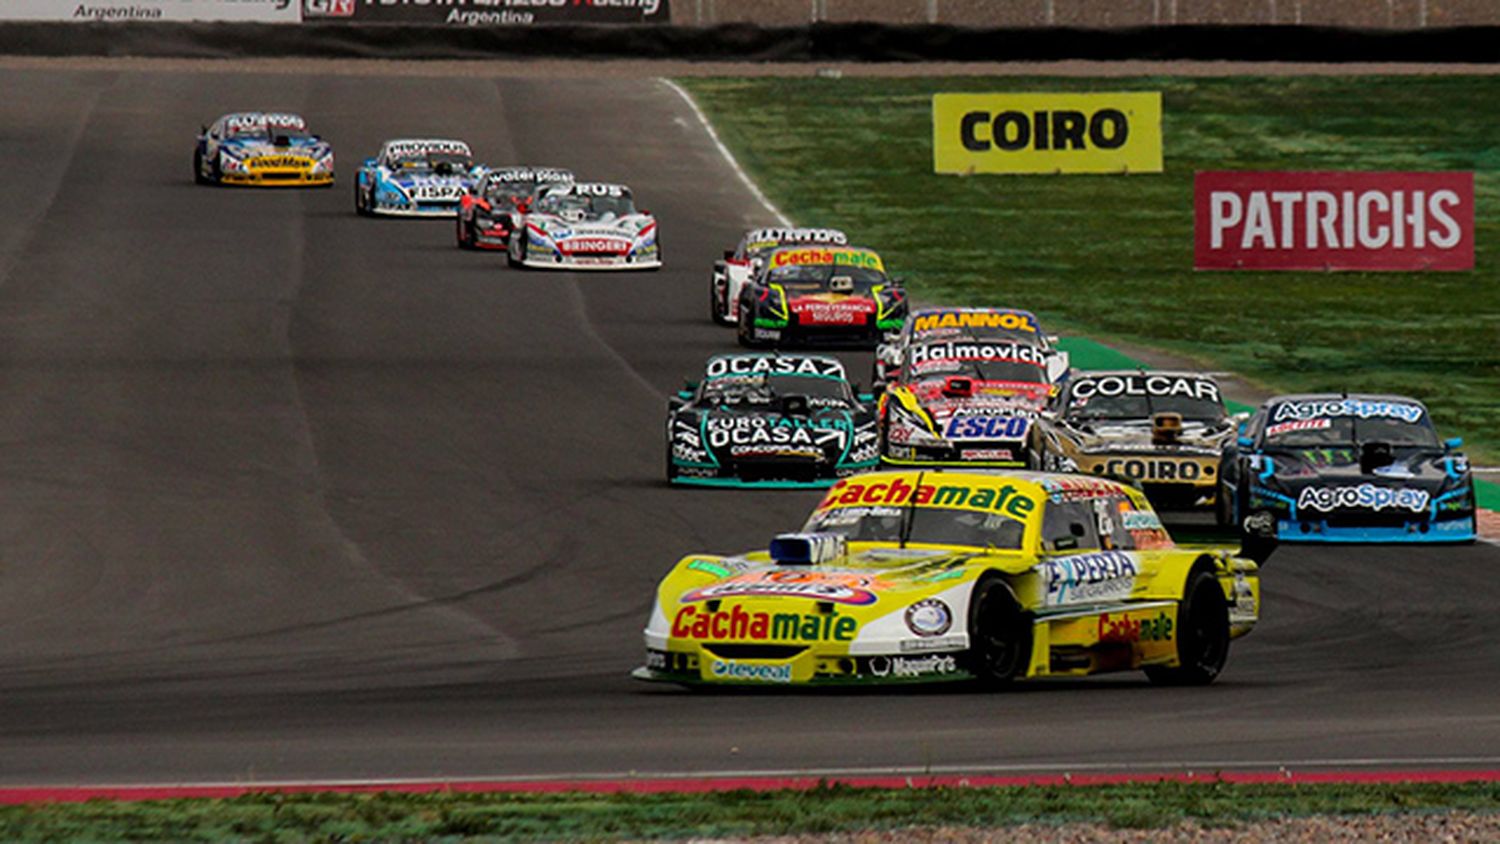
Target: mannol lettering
1106 575
1005 499
1145 385
1362 408
1009 320
736 623
1362 497
958 350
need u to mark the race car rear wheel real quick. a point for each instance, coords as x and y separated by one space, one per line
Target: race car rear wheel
999 635
1202 634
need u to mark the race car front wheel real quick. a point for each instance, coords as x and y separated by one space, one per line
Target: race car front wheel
198 177
1202 634
361 207
516 255
999 635
464 240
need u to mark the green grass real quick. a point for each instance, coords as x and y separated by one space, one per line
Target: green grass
827 809
1112 256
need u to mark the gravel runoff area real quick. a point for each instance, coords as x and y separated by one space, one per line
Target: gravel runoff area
1416 828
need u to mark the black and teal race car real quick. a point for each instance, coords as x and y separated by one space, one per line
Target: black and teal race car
770 420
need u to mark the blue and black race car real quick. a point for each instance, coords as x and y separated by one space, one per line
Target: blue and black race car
770 420
1347 468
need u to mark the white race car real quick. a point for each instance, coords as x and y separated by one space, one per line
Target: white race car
739 264
586 226
415 178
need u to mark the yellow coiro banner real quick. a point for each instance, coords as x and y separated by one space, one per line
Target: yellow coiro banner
1113 132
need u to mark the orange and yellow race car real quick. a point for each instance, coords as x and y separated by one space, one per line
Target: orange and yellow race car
990 577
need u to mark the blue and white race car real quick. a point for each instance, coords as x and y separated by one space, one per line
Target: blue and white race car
585 226
415 178
263 149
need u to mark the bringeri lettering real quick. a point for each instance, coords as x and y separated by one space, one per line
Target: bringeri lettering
736 622
823 257
1298 425
958 350
1146 385
1362 408
1010 320
1362 497
1006 499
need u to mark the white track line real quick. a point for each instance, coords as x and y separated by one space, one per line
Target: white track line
724 151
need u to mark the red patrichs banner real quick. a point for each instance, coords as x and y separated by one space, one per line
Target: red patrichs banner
1333 221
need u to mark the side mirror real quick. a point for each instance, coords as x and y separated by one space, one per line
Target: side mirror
1245 442
1057 366
899 280
1453 444
203 129
1053 339
689 387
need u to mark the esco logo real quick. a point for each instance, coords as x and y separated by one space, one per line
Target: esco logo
988 427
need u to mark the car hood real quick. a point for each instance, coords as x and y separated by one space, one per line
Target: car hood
1115 435
1415 468
626 227
858 579
988 398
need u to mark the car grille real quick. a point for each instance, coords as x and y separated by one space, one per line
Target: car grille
728 650
280 175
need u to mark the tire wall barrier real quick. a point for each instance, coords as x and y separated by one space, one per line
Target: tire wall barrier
817 42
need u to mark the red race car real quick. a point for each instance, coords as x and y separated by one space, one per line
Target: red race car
486 213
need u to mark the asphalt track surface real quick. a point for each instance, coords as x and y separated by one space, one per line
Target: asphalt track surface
289 494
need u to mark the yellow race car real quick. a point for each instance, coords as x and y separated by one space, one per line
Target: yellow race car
940 575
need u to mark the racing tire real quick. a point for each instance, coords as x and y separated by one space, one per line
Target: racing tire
743 333
1202 634
1223 502
361 207
464 242
198 177
999 636
516 256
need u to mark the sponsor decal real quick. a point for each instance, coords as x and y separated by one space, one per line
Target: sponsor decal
527 175
1109 386
435 191
1332 220
836 587
1131 628
490 12
817 312
256 121
986 454
1114 132
656 660
781 432
774 365
897 492
922 353
1362 497
1158 469
693 622
1364 409
908 666
269 161
918 645
1298 425
1140 520
593 244
728 669
950 320
1075 488
89 11
813 257
1087 578
965 426
929 617
400 149
589 189
759 239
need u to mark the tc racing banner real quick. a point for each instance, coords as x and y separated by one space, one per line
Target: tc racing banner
1333 221
487 12
1115 132
89 11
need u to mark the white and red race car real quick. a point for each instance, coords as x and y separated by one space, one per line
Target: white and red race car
586 226
740 263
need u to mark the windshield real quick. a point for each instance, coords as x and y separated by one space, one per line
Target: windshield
1352 430
818 278
267 134
765 389
984 361
934 525
431 162
508 193
1142 408
577 208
